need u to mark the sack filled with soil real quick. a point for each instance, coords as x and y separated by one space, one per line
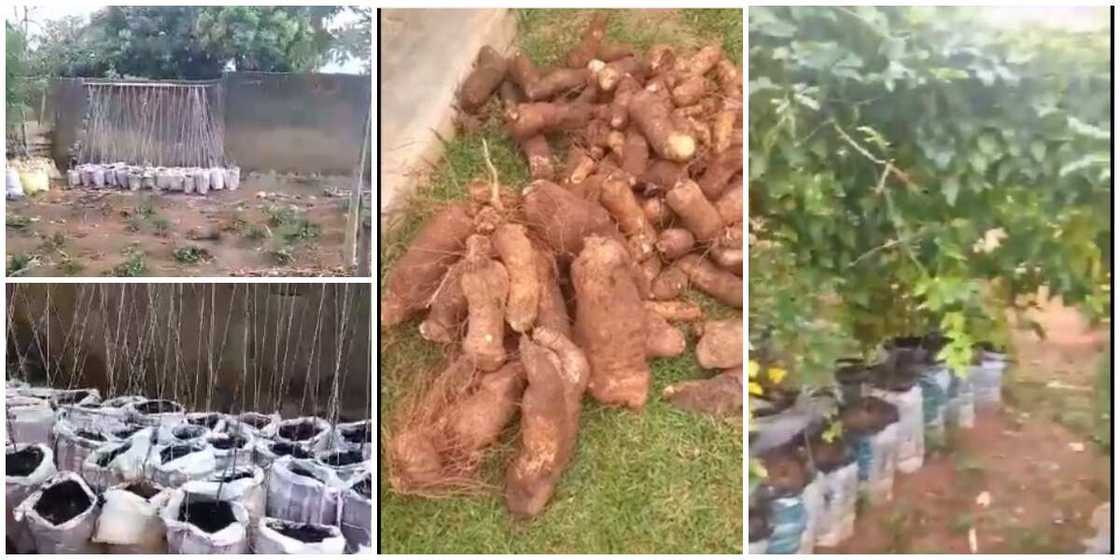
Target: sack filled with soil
202 181
300 490
873 426
30 420
759 528
60 515
357 512
177 464
75 397
911 426
232 448
935 383
202 525
97 469
233 178
346 463
188 433
217 178
960 411
266 452
26 467
244 485
73 445
788 476
213 421
279 536
838 478
73 178
156 412
308 431
355 435
258 424
130 522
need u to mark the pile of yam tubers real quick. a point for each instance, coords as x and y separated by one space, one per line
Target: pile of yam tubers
574 283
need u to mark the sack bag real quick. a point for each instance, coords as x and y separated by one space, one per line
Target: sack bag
876 456
839 491
310 432
266 452
788 519
60 515
156 412
357 512
30 420
179 463
75 397
188 433
243 485
302 491
811 496
346 463
355 435
260 425
213 421
129 522
28 467
97 470
911 427
935 399
232 448
217 178
12 185
202 181
72 445
960 411
199 525
277 536
233 178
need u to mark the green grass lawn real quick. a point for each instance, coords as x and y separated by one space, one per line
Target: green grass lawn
656 481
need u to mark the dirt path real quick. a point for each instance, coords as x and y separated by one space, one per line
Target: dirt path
271 225
1044 475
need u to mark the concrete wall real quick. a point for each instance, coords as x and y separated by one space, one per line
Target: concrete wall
158 340
289 123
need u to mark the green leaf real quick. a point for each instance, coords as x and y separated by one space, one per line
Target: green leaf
988 144
1038 150
951 187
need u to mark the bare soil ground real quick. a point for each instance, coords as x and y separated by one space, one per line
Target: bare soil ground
273 225
1042 468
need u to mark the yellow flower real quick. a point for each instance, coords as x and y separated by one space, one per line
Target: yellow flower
776 375
754 388
752 369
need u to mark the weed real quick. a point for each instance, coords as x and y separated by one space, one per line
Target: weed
70 266
191 255
20 264
15 221
147 208
133 264
282 256
161 225
53 242
134 223
300 230
962 523
257 232
281 215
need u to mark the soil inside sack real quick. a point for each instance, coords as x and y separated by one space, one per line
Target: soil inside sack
23 462
176 451
285 449
302 533
364 487
62 502
298 470
71 398
759 526
208 515
142 489
256 421
301 431
359 434
188 432
868 416
158 407
235 476
829 456
210 420
85 434
343 458
785 472
127 432
228 442
107 458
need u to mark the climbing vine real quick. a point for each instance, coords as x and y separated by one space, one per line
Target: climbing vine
913 169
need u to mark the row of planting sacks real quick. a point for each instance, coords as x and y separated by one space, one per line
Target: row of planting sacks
817 506
200 180
136 475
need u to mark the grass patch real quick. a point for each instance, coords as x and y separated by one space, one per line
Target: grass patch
18 265
256 232
282 256
191 255
17 222
133 264
70 266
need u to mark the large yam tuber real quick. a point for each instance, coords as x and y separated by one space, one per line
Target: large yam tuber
552 314
589 44
710 279
556 82
476 421
721 344
695 211
730 204
489 71
511 95
578 166
728 258
448 308
550 411
610 52
611 74
607 301
674 243
663 174
563 219
539 155
415 460
530 119
485 284
689 91
657 213
635 153
718 175
703 61
675 310
652 114
620 104
416 276
720 396
517 254
620 201
662 339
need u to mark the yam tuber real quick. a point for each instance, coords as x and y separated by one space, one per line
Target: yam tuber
517 254
670 284
489 72
563 219
689 91
448 309
485 284
675 310
635 153
662 339
730 204
728 258
695 211
619 200
531 119
710 279
539 155
721 344
415 461
674 243
416 276
511 95
720 396
578 166
476 421
607 301
620 104
718 175
610 52
657 213
556 82
652 115
611 74
663 174
703 61
552 312
589 44
550 411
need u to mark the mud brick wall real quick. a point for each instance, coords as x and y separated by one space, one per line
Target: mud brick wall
289 123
